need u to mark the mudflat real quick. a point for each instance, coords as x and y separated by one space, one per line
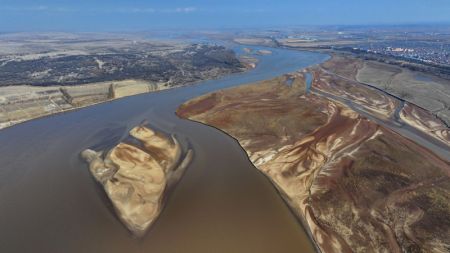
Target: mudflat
357 185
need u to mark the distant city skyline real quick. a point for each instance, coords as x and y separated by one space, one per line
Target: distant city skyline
121 15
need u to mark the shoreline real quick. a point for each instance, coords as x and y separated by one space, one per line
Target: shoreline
332 52
203 108
77 108
282 194
114 99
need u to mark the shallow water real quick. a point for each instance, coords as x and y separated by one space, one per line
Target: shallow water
308 80
50 203
423 78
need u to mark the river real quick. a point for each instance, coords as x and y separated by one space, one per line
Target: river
49 202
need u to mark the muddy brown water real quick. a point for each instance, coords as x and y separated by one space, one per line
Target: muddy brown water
50 203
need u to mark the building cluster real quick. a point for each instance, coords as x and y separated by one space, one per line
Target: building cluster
438 53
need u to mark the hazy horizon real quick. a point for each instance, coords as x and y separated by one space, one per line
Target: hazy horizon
107 16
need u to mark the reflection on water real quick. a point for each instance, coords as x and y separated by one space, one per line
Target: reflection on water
50 203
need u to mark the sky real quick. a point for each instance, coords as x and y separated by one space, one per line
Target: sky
138 15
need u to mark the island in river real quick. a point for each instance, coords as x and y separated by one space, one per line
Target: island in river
136 173
338 156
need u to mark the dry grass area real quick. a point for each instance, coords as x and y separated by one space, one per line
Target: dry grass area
359 187
343 66
425 90
359 80
377 103
423 120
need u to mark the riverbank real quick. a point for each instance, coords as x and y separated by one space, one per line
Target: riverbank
45 74
323 155
414 83
23 103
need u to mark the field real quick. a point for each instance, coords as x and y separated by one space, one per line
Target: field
425 90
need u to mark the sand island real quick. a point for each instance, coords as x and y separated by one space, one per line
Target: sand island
136 174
